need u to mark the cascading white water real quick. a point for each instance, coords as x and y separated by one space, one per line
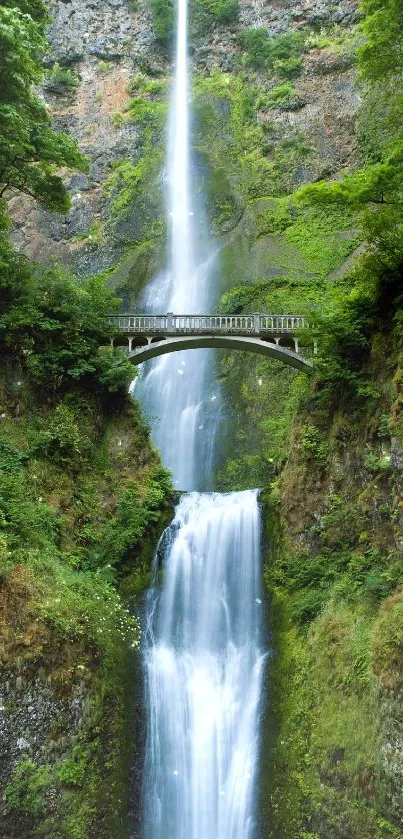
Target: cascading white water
203 657
173 388
204 664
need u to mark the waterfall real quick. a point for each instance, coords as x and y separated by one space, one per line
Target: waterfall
204 663
173 388
202 651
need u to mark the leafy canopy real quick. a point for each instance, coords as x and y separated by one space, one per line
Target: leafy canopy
381 57
30 149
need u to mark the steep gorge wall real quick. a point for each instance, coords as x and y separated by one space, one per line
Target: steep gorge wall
110 44
83 503
332 757
259 133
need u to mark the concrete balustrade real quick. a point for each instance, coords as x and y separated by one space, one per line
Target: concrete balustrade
200 324
149 336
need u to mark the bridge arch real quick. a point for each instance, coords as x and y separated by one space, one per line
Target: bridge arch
232 342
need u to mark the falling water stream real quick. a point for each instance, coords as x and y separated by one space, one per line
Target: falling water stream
203 655
173 389
204 664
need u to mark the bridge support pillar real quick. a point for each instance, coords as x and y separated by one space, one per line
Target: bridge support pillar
296 345
256 321
277 340
112 343
130 340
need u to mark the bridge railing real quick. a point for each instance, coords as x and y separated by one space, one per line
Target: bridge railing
170 323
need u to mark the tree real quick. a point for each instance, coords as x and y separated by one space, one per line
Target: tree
381 57
30 149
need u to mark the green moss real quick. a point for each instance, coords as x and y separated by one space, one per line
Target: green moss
324 237
387 644
24 793
240 153
320 764
134 186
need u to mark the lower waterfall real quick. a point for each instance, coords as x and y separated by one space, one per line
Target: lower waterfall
204 663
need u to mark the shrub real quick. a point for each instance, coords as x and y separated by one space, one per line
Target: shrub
104 66
163 20
307 605
281 54
62 439
209 13
118 119
342 523
279 96
55 327
312 446
62 80
6 561
24 794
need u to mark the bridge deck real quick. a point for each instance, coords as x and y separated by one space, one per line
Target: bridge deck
171 324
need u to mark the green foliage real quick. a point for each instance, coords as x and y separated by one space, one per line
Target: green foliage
81 605
281 54
30 149
118 120
163 20
246 470
142 84
312 445
387 644
318 40
72 771
95 235
134 515
232 142
381 56
136 185
24 794
208 13
136 211
147 112
105 66
378 184
369 299
316 233
55 328
278 97
57 531
61 438
6 561
61 80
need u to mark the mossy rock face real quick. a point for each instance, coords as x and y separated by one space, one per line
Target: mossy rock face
387 644
136 269
76 481
330 764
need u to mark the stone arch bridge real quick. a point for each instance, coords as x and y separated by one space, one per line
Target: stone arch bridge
274 336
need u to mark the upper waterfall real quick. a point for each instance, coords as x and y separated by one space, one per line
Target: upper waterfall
177 391
180 198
